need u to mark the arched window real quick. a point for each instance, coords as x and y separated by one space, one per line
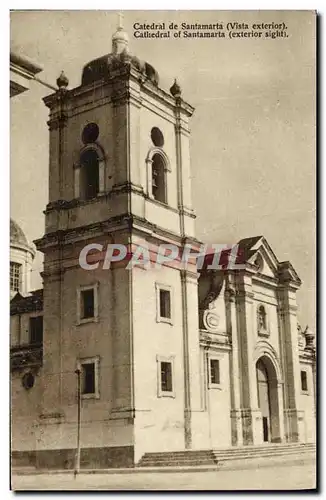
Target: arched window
157 167
89 174
261 318
158 178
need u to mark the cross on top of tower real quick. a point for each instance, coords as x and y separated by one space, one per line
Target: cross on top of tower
120 38
120 18
98 68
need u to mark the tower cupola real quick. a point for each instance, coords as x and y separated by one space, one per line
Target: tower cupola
120 39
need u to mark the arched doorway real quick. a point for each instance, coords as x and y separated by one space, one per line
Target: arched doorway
267 385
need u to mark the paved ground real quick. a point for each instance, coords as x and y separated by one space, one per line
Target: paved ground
281 476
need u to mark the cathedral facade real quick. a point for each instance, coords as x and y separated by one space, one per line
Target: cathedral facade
174 358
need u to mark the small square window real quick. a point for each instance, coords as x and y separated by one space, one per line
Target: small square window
87 303
36 330
165 304
166 376
214 365
304 381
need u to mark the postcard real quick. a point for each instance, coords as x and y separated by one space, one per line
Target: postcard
162 245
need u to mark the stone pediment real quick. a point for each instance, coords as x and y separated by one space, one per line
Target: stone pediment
259 256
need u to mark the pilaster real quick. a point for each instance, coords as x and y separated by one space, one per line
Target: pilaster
287 311
52 373
248 392
191 350
235 373
122 343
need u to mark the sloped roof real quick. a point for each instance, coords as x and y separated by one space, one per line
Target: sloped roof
246 245
33 302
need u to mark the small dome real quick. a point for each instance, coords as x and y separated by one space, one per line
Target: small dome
99 69
16 234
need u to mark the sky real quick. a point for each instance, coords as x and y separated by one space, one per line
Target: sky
252 133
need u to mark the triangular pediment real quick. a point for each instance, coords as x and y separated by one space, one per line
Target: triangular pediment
264 258
257 252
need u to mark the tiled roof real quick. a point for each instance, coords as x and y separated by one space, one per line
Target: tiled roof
33 302
245 246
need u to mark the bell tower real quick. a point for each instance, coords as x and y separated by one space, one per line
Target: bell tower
119 172
119 144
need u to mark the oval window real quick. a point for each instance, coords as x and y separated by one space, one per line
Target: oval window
157 137
90 133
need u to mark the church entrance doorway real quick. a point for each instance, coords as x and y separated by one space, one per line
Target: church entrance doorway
268 399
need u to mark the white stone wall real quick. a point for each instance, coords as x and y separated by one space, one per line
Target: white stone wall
25 409
307 405
159 425
218 402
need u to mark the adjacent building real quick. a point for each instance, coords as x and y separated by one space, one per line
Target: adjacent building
22 71
21 260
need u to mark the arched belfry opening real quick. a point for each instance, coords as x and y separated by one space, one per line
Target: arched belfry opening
268 399
158 167
159 178
89 174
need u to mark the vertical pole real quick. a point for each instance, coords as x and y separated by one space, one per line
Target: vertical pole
77 458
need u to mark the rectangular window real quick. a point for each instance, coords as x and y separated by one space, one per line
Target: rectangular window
36 330
165 304
166 376
304 382
87 303
88 378
15 276
214 365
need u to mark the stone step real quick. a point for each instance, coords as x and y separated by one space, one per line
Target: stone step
211 457
231 452
192 457
267 447
238 449
263 454
263 450
178 463
146 461
181 454
178 457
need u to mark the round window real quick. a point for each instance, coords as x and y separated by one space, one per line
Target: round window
90 133
157 137
28 380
